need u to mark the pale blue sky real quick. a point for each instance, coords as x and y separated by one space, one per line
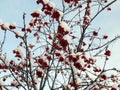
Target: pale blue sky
110 24
12 10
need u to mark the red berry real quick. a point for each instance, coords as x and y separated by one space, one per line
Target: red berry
95 33
107 53
105 37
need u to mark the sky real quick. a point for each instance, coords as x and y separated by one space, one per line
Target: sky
12 11
109 23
